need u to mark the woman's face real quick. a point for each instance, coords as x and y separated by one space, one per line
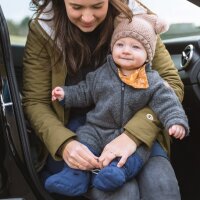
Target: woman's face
86 14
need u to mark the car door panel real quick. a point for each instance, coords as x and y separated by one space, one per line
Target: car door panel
14 127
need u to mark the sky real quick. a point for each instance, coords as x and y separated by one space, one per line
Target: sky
175 10
16 9
171 10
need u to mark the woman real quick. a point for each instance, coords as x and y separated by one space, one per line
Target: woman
67 40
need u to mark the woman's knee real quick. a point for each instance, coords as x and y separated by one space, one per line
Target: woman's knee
158 180
128 191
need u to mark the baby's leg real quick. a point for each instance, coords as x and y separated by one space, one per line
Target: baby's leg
112 177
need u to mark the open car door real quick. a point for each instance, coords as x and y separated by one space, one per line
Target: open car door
13 132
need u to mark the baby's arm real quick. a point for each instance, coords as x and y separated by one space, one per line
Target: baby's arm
57 94
168 108
177 131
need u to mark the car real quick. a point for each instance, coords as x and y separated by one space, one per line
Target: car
18 176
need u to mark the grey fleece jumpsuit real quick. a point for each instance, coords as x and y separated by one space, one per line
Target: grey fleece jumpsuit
115 103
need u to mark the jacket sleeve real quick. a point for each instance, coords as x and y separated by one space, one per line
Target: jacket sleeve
167 107
144 125
37 83
80 95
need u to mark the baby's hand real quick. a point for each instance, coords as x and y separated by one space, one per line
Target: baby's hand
177 131
57 94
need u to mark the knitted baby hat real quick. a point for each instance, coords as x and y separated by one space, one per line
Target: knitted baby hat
143 27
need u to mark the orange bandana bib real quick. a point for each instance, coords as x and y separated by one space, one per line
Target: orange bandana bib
138 79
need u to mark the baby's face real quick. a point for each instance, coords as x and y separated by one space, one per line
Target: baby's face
129 53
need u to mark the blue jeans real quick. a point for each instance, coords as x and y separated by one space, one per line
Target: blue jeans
156 181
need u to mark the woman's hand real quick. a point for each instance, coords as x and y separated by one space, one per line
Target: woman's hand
122 146
78 156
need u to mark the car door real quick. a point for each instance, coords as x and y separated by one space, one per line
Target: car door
13 127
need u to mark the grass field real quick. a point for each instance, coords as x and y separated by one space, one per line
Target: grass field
17 40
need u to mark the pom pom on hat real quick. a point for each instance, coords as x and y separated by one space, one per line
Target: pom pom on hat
159 24
143 27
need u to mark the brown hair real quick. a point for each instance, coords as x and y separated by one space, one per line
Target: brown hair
76 50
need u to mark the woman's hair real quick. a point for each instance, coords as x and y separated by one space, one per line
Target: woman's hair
76 49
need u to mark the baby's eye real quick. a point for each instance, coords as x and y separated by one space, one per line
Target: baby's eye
119 44
135 47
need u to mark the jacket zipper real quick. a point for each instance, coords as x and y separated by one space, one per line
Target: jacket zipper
122 104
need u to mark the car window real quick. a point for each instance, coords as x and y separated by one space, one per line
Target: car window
182 16
17 14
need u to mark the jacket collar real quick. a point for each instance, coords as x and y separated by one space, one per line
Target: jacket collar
112 64
46 22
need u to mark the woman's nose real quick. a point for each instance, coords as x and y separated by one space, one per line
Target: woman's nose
87 17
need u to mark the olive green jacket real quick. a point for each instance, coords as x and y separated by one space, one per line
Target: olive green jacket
41 73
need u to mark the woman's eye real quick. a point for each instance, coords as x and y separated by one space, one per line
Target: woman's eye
97 7
76 7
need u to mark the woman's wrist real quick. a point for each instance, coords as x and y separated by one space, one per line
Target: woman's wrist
62 147
132 137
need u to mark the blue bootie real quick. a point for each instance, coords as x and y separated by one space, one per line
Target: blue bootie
113 177
69 182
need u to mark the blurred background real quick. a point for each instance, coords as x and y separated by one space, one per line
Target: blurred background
182 16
